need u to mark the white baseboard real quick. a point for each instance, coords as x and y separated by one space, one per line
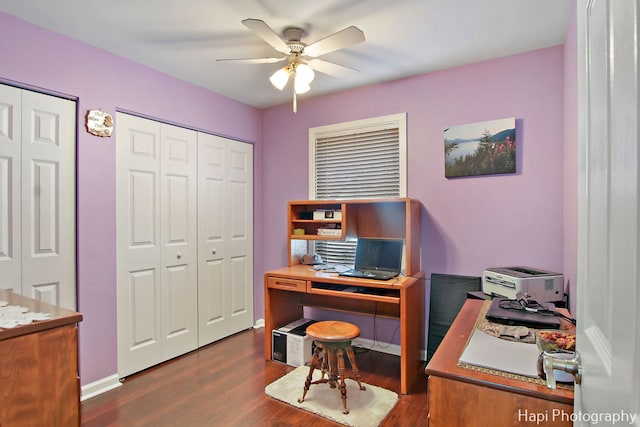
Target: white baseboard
259 324
98 387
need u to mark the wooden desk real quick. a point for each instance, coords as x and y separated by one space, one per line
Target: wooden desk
289 289
39 383
464 397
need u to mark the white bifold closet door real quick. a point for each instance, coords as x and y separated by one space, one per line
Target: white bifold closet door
225 237
37 196
170 293
156 230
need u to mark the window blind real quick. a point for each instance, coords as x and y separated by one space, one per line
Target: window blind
357 161
359 165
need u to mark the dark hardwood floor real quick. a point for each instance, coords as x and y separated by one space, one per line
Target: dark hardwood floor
223 385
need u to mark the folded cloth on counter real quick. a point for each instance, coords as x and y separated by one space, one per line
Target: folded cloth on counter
14 315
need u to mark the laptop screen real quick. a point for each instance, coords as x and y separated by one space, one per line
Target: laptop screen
379 254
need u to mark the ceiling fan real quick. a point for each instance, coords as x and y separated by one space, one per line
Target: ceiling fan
302 59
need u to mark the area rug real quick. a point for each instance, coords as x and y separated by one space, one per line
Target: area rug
366 408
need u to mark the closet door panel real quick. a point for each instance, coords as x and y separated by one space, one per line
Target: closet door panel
212 225
212 230
48 199
140 191
138 243
211 268
142 291
212 180
211 293
239 290
43 226
178 232
10 172
238 201
240 245
177 308
139 348
225 218
142 214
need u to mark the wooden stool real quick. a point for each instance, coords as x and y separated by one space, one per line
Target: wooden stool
333 338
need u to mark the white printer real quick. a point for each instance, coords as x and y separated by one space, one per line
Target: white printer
539 285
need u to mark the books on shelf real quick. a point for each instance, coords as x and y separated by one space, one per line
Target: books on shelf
327 214
329 232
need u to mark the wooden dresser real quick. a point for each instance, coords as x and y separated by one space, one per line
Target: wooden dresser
464 397
39 383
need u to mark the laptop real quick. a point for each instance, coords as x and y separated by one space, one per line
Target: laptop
498 314
379 259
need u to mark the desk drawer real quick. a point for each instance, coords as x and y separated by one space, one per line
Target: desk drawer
287 284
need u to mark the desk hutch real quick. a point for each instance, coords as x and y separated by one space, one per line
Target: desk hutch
288 290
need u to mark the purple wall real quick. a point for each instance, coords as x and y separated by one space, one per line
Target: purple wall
38 58
468 224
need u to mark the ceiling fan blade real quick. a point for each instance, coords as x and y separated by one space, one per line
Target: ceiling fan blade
330 68
265 32
253 60
347 37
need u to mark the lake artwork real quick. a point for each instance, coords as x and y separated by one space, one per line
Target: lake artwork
482 148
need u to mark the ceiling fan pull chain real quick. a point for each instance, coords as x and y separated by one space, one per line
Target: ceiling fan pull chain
295 102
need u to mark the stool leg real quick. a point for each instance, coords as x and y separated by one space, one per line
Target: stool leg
333 374
354 366
343 385
325 365
307 383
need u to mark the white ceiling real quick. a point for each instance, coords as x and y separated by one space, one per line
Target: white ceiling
184 38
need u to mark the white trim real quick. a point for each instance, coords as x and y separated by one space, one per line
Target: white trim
98 387
259 324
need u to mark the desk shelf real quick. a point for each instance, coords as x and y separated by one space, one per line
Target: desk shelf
301 217
369 300
315 237
397 218
362 293
365 307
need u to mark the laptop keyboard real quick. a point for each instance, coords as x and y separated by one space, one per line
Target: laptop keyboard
370 273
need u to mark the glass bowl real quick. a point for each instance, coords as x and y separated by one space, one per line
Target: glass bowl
553 340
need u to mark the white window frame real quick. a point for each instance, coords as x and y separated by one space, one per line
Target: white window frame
366 125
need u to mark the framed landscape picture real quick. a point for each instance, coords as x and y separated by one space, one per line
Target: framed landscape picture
482 148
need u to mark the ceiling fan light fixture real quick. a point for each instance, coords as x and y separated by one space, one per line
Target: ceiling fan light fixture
305 73
300 85
280 78
297 54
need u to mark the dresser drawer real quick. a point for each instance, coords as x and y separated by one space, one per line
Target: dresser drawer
287 284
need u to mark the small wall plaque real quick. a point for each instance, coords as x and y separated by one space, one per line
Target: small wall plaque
99 123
